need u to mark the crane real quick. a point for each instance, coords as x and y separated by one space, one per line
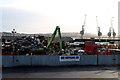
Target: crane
98 28
111 30
114 34
109 33
83 28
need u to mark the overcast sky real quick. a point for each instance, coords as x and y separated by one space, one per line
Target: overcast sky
41 16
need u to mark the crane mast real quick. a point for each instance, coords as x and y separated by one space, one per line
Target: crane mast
83 28
111 30
109 33
98 28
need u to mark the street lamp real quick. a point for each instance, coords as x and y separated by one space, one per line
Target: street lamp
13 32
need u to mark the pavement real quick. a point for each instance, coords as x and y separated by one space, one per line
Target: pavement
107 72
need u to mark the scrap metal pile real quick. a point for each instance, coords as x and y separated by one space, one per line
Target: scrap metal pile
29 45
32 45
37 46
24 45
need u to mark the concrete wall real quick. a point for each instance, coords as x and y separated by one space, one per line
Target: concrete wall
43 60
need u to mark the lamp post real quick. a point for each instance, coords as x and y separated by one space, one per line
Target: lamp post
13 32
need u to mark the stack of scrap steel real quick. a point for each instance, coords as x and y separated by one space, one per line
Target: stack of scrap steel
24 45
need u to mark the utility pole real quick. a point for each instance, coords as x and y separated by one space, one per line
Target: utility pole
13 32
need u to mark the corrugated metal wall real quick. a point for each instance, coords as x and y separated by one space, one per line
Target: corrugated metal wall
7 61
22 61
43 60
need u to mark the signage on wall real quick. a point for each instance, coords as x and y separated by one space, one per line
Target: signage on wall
69 58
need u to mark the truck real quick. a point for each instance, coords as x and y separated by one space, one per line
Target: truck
91 49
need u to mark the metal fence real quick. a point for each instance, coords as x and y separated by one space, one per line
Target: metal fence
47 60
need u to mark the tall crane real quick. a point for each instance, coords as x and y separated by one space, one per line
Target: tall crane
109 33
98 28
114 34
111 30
83 27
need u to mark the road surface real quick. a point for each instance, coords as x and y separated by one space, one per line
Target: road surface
61 72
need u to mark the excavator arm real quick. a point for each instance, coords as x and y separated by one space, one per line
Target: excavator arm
53 36
59 34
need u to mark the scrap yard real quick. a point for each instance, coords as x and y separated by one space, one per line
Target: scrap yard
91 57
42 45
32 50
50 58
60 40
39 45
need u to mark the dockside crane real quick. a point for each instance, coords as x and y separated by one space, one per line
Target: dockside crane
114 34
83 28
111 30
98 28
109 33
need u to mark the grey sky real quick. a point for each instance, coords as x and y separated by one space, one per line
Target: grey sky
41 16
20 19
